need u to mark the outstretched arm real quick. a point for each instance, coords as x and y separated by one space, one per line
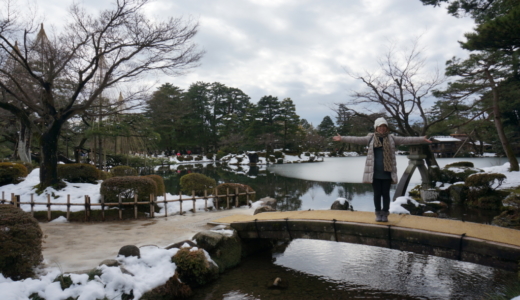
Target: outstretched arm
362 140
409 140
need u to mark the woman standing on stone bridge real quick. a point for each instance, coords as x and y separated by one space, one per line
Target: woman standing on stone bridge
381 166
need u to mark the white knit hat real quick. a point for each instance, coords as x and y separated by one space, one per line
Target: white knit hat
380 121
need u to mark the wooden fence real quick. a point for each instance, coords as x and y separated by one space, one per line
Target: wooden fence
17 201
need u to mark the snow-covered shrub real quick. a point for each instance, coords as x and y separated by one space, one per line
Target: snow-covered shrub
278 154
483 191
172 289
457 164
242 188
78 173
159 181
127 187
194 268
452 174
209 155
11 172
188 158
197 182
20 242
121 171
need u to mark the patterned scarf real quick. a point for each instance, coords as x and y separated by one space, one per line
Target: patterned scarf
387 159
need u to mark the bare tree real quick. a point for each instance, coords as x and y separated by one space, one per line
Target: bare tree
400 89
64 75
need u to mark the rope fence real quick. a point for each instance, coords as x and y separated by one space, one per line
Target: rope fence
120 205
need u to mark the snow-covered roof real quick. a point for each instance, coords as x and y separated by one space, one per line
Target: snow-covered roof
445 139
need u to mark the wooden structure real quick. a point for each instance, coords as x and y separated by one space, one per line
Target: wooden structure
88 204
465 241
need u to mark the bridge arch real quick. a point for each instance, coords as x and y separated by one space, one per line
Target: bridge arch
469 247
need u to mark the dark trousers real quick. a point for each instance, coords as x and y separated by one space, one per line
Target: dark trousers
382 190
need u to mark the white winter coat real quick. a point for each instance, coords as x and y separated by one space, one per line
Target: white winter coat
368 140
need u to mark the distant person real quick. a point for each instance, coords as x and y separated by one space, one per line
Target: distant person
380 166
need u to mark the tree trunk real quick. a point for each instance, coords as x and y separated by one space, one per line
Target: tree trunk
513 162
49 155
24 143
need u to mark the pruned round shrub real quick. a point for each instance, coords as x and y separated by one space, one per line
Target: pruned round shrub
121 171
278 154
456 174
188 158
20 243
197 182
220 154
194 268
11 172
482 190
159 181
78 173
30 166
180 158
485 181
209 155
104 175
242 188
467 164
127 187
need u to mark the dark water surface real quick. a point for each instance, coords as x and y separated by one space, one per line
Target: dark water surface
329 270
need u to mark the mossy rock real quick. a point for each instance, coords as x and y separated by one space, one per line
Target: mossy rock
509 218
20 243
491 200
458 193
225 251
194 268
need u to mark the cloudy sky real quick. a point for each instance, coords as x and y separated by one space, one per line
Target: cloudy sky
299 48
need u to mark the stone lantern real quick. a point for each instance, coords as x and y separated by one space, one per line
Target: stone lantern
416 161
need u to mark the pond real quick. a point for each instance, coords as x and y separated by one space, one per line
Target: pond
317 185
328 270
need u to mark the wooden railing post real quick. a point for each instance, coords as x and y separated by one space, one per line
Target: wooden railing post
120 207
87 208
135 206
227 197
152 210
68 207
165 205
32 205
180 203
48 207
193 198
216 198
205 200
102 208
236 197
15 201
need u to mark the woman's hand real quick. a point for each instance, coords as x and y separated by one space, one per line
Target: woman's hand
427 140
336 138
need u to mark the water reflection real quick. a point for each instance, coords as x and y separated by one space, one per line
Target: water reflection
317 185
329 270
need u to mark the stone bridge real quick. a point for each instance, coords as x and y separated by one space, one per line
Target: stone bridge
465 241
